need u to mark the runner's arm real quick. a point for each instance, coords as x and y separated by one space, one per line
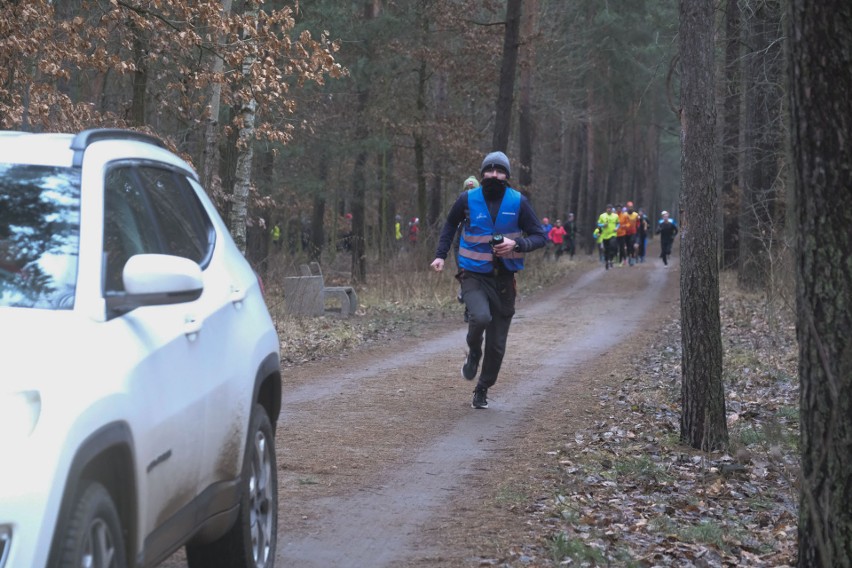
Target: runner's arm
448 233
530 224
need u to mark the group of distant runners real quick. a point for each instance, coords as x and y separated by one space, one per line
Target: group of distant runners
622 232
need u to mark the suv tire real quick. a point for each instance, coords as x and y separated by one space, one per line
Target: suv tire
250 543
94 536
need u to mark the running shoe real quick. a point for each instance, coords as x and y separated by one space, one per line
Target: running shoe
471 365
480 398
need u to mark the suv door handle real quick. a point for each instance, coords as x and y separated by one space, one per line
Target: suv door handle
191 328
237 295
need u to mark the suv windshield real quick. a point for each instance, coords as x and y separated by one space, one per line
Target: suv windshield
39 235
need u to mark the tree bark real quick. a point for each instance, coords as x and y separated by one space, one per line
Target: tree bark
525 111
245 153
586 202
703 424
242 175
317 240
503 118
211 156
359 174
359 193
140 77
820 46
731 137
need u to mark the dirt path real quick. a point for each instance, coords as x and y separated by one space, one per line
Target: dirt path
382 462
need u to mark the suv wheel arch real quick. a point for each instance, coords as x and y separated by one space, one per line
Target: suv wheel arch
267 389
107 458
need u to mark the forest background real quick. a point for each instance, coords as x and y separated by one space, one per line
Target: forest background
373 109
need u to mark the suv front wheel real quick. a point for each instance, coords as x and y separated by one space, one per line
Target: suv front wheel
251 541
94 536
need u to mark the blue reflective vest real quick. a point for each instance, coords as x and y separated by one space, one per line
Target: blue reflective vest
474 250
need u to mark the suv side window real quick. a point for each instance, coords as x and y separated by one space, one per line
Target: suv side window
183 223
151 210
127 225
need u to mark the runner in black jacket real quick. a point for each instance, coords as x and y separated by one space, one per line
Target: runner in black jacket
667 229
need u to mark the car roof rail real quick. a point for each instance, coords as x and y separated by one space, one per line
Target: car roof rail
83 139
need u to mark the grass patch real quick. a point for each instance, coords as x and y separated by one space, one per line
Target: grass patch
566 510
705 532
768 433
512 494
748 436
641 467
563 547
789 413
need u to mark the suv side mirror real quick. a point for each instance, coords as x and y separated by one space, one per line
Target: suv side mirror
156 280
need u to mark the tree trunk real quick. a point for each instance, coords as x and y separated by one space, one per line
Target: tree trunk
317 240
562 199
388 206
245 154
587 201
820 44
525 114
731 137
359 175
586 218
503 118
357 242
759 226
436 199
242 175
420 173
420 143
652 172
210 158
140 77
703 424
434 221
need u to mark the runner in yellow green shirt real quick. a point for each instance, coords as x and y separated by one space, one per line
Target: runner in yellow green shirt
608 224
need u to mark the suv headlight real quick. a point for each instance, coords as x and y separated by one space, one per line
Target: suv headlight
19 412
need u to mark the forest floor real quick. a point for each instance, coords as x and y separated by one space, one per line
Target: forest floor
382 462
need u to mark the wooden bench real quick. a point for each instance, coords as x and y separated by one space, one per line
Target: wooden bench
308 295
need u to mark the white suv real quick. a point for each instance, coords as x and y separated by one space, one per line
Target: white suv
139 368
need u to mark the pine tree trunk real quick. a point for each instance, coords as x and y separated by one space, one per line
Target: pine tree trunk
359 193
359 174
317 240
503 118
591 155
731 136
525 111
820 47
703 424
420 143
651 188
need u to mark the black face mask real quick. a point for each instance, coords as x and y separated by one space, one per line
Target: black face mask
493 188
